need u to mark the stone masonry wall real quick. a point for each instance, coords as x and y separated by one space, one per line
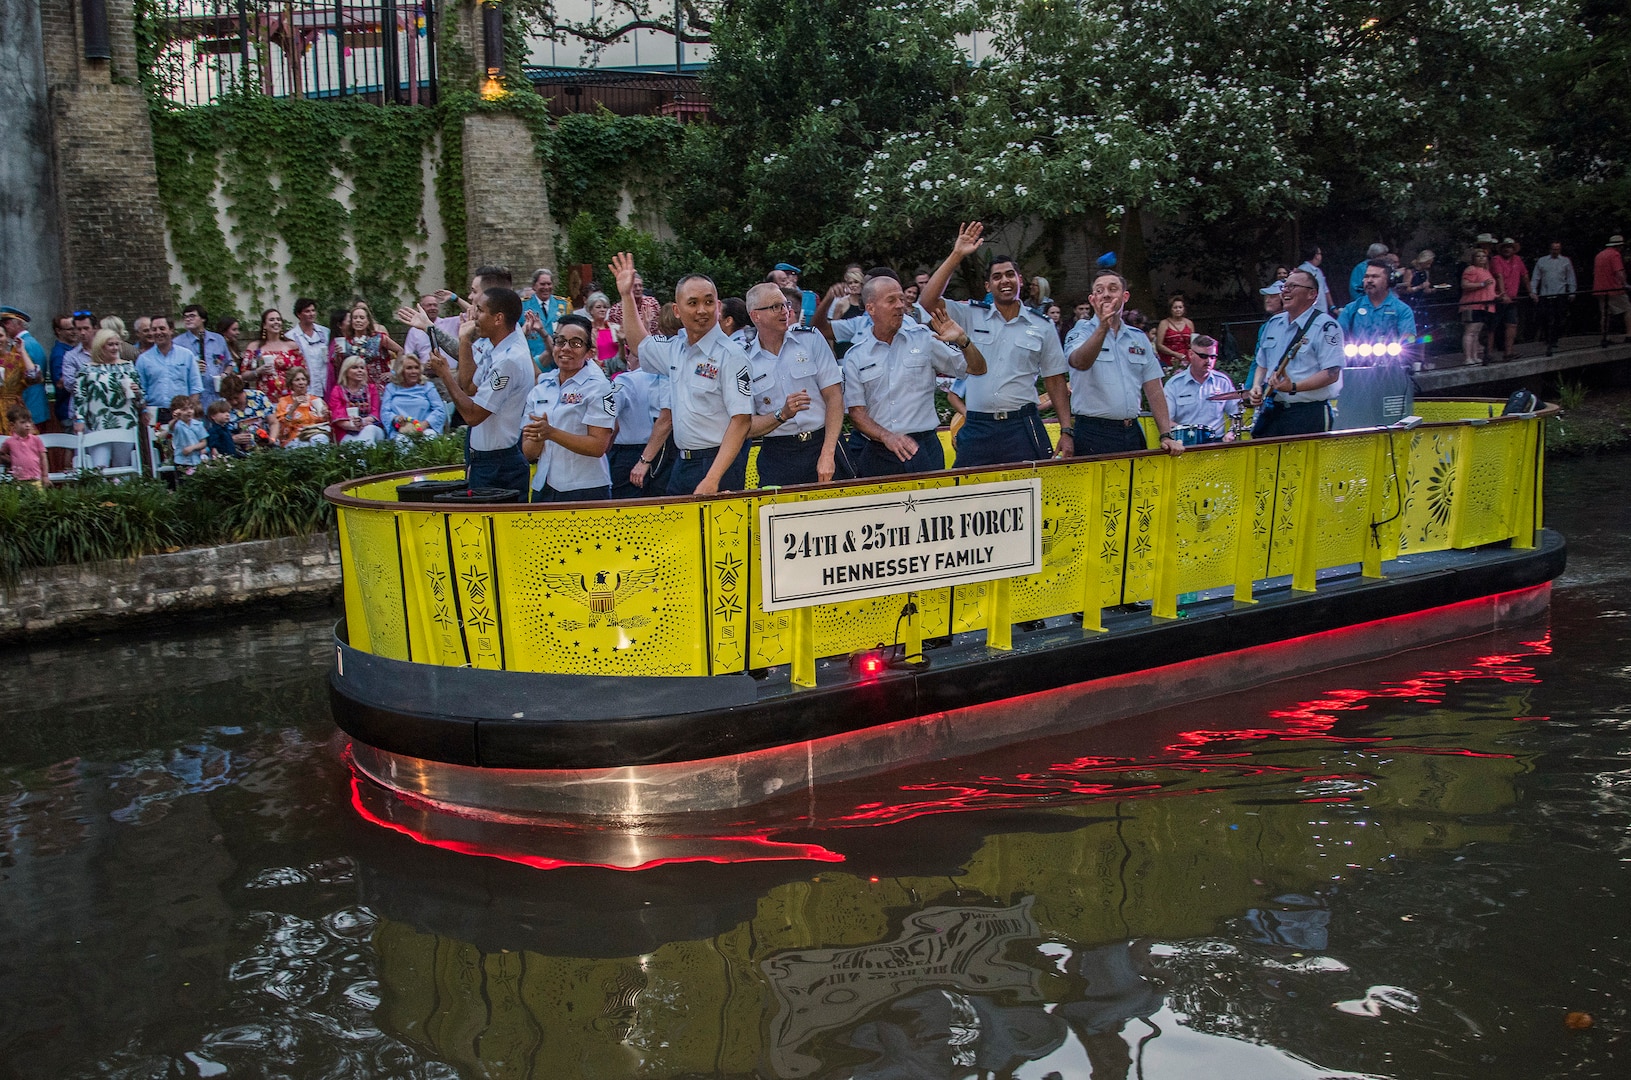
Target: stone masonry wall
507 217
107 195
266 572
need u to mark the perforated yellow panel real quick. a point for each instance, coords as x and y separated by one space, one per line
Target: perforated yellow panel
386 489
672 589
1493 484
480 606
1143 524
729 535
434 629
373 557
1265 494
1345 490
1429 490
606 592
1212 495
1287 493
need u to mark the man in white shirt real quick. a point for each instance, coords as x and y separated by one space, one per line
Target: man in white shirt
793 371
1553 283
489 389
312 337
710 383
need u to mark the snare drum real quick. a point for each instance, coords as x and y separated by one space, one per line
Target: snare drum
1193 435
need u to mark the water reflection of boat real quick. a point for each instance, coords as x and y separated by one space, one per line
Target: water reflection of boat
620 661
986 921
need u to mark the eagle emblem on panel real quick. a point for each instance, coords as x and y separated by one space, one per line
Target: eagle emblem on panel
601 595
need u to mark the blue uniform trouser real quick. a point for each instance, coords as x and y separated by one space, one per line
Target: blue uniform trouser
500 469
1093 435
623 457
788 459
878 460
1018 436
1301 418
690 470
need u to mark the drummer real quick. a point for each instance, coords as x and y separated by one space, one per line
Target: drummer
1190 392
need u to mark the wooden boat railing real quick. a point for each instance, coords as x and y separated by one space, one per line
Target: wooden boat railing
671 587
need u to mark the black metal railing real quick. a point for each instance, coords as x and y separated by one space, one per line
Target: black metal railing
625 92
375 50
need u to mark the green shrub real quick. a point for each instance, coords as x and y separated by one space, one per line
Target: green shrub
265 495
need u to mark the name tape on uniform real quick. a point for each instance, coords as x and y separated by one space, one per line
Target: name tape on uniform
831 550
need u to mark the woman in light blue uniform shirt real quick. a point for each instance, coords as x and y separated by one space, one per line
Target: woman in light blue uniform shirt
570 416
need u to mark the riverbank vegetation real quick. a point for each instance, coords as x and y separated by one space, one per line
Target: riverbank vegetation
261 497
1591 422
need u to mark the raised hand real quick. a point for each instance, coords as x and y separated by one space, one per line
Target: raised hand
413 315
622 269
945 327
969 239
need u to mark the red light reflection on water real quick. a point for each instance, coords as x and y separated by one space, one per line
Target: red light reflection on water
1223 753
724 849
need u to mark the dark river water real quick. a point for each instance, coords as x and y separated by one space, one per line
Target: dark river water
1414 868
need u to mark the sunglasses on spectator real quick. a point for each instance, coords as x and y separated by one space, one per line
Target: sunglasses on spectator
83 315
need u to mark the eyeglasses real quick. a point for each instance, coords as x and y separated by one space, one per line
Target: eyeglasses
1205 355
786 305
1296 285
571 342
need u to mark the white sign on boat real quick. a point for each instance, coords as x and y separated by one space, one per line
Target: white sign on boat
829 550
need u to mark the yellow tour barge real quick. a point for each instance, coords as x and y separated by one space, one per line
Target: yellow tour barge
623 660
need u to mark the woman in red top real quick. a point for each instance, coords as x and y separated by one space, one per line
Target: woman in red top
269 357
1479 291
1172 335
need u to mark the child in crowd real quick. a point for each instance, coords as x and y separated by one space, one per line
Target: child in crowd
219 430
189 437
24 451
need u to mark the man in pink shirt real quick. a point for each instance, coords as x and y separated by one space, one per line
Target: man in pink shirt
1510 275
1608 283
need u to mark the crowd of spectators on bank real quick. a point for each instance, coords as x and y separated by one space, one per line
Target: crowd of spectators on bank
223 390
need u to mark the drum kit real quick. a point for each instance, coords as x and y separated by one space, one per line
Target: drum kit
1196 435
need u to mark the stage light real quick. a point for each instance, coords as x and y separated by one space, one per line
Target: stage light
1350 349
1394 348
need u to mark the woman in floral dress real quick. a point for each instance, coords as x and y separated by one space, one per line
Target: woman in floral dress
366 339
270 356
107 396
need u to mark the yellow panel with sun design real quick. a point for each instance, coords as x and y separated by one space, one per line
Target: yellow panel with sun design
1429 489
615 591
1342 519
1213 490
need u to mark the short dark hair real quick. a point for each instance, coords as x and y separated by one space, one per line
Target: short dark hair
302 304
165 315
231 385
505 302
1383 263
882 271
494 277
87 316
574 319
1202 341
16 414
735 309
219 405
195 309
1104 272
998 260
1312 250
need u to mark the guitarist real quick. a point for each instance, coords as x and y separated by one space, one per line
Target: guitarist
1301 354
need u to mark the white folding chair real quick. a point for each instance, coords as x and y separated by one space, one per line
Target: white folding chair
112 437
156 464
55 441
